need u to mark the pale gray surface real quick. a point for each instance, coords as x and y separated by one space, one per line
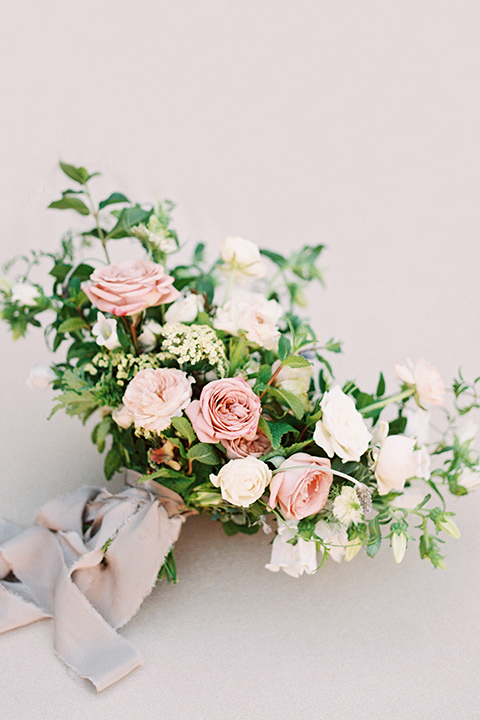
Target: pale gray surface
352 124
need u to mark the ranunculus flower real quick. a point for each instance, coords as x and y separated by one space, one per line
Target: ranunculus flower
185 309
294 380
153 397
302 485
342 430
425 378
243 256
105 332
395 463
242 447
24 293
128 287
255 315
292 559
242 481
40 376
227 409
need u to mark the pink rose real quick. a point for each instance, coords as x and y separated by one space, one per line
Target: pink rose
227 409
153 397
129 287
302 488
242 447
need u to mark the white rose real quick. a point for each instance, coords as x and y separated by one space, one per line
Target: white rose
394 463
425 378
255 315
292 559
342 430
243 481
243 256
148 337
185 309
122 417
40 376
294 380
24 293
105 332
335 537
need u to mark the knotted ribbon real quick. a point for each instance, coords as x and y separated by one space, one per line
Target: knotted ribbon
88 562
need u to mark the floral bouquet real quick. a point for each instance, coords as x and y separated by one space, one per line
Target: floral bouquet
205 378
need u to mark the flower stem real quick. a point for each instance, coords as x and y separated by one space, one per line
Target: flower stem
272 379
387 400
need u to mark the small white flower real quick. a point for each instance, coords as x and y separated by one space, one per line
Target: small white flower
334 536
346 506
342 430
185 309
148 337
105 332
296 559
242 256
24 293
40 376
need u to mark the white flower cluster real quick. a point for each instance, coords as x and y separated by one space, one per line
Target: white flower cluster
193 344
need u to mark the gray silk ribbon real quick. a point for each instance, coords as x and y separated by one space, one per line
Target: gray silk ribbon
88 562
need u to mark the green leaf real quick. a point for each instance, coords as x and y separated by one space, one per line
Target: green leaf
79 174
284 347
275 258
277 431
296 361
113 462
184 427
128 218
264 426
381 386
112 199
60 271
374 537
70 203
296 447
289 399
203 453
72 325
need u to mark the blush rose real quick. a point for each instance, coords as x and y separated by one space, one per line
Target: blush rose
242 448
129 287
301 487
227 409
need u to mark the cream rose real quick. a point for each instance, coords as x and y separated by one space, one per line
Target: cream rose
301 486
153 397
242 256
227 409
342 430
425 378
242 481
129 287
255 315
395 463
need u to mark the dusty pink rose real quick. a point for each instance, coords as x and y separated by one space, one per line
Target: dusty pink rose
242 448
153 397
129 287
302 488
227 409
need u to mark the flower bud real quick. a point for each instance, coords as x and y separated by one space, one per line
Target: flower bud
399 545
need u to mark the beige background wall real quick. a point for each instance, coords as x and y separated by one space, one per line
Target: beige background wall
354 124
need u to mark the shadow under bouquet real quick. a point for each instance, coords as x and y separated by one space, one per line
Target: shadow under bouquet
205 379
